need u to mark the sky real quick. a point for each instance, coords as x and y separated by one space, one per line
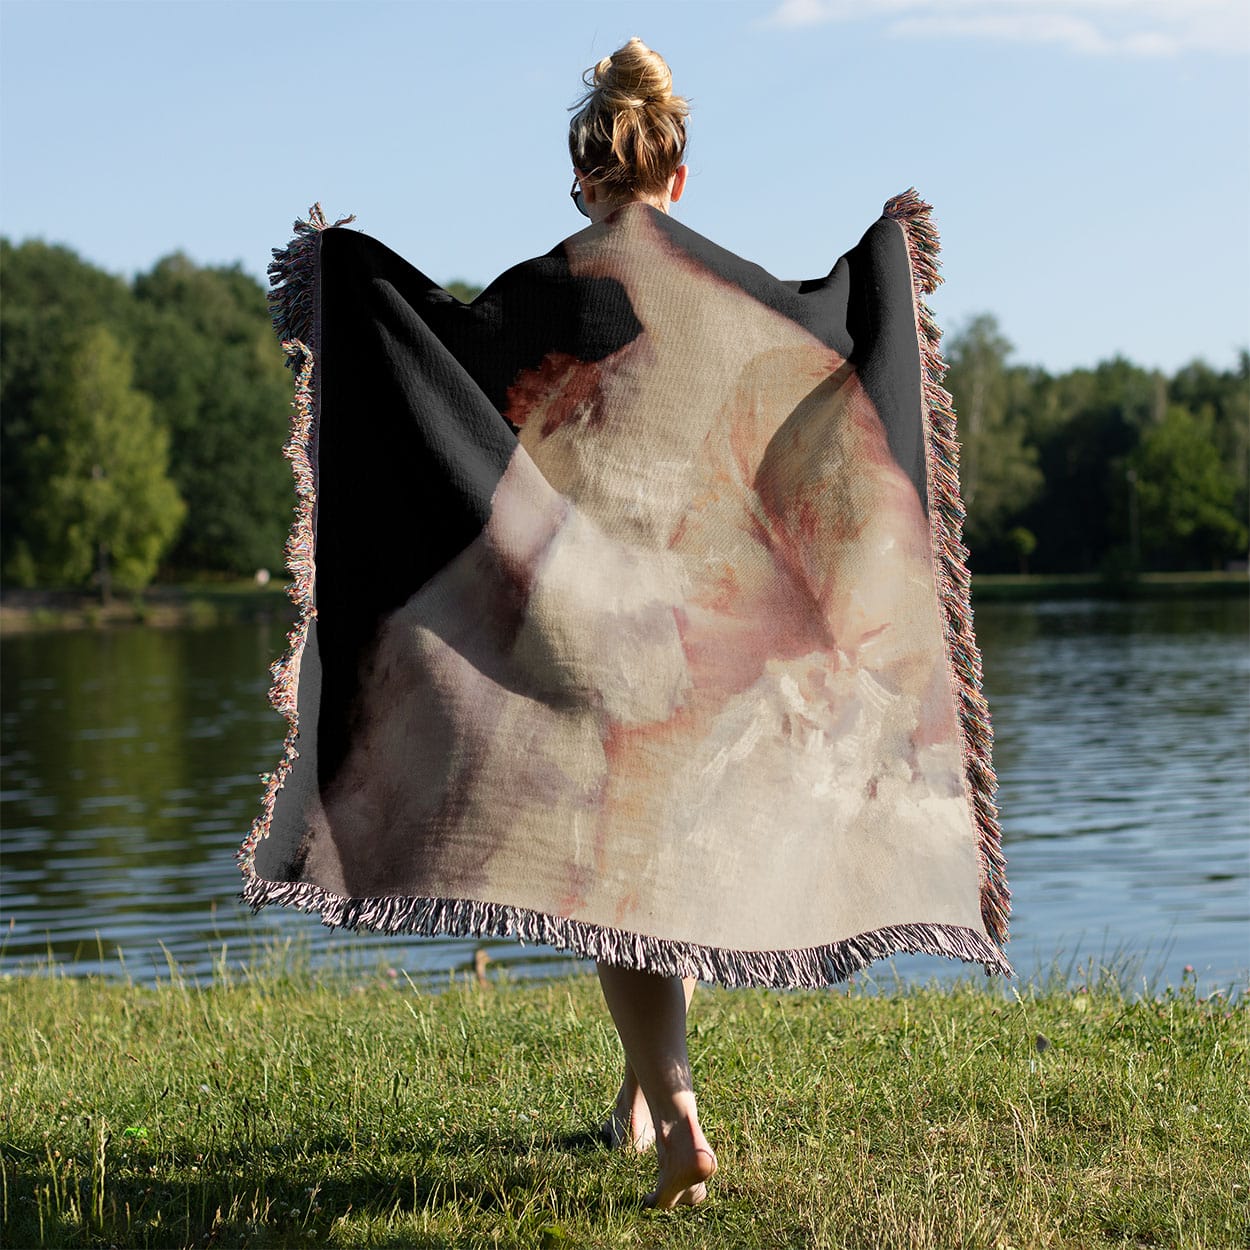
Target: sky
1088 160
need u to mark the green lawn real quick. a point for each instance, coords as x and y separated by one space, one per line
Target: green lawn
287 1109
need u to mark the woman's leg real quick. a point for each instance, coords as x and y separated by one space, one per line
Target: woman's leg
629 1124
650 1015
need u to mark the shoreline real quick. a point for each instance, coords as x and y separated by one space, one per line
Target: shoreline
1025 587
177 605
202 604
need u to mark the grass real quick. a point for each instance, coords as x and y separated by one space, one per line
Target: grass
290 1108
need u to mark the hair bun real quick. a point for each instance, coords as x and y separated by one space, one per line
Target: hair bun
633 76
629 131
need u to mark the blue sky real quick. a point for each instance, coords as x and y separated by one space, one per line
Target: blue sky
1089 160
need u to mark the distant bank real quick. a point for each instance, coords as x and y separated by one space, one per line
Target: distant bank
215 603
191 603
1000 587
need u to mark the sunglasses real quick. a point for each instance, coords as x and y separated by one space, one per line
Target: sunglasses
576 196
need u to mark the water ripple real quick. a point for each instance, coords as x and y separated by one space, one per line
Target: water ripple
131 764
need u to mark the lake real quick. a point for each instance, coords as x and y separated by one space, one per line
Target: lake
130 775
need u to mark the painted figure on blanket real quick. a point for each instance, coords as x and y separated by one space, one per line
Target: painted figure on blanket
655 648
558 699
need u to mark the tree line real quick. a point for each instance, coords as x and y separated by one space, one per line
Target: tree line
1113 470
142 423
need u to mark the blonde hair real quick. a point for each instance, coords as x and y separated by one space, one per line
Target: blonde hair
629 132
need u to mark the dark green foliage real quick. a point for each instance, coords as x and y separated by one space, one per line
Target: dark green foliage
998 467
207 351
465 292
104 508
1114 469
206 361
1186 491
51 300
1222 400
1110 470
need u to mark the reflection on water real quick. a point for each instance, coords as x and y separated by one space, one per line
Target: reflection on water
131 758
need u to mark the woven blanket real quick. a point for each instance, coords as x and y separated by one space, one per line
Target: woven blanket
634 617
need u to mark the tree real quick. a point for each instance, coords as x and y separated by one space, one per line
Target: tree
1223 400
464 291
997 467
1086 427
1186 495
208 356
1023 542
51 298
1095 468
106 507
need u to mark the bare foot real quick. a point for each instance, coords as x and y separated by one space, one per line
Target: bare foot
686 1165
629 1126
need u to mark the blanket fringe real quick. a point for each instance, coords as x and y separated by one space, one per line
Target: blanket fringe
947 512
293 302
807 968
293 299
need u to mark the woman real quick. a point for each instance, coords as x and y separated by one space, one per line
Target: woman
673 666
628 141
